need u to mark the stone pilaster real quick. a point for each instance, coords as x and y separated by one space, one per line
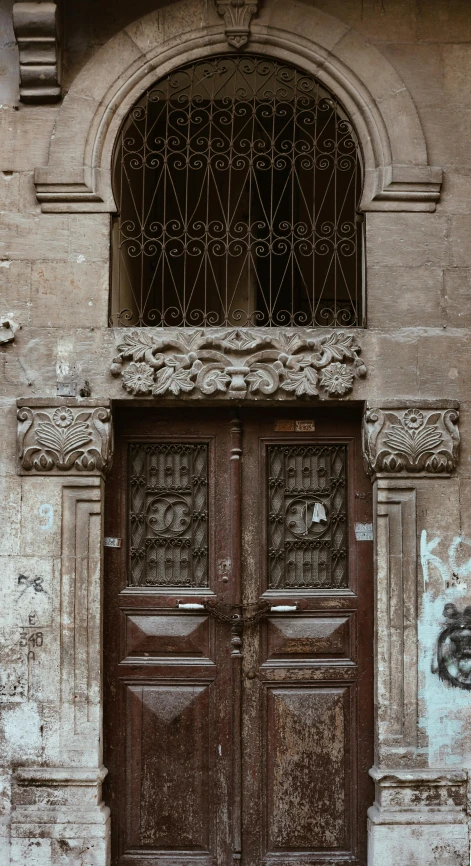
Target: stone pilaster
57 809
420 810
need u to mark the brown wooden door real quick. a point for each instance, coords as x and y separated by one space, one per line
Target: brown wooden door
238 639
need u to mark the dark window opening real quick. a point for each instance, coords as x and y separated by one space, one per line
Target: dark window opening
237 181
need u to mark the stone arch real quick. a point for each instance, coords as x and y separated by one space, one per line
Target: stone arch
397 174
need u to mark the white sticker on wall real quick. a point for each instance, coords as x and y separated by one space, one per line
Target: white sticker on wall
364 531
112 542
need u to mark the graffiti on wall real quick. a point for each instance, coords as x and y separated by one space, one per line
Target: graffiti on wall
454 647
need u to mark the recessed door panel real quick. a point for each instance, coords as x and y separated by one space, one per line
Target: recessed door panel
167 760
308 769
150 635
305 637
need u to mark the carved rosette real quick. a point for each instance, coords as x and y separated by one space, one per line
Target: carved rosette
238 363
418 440
64 438
237 16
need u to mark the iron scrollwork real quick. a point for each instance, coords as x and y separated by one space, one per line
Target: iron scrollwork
168 521
238 181
307 516
238 363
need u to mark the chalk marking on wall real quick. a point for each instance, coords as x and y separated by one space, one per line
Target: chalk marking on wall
46 512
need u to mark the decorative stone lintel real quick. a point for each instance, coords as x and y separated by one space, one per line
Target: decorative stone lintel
408 437
237 16
238 363
36 27
64 436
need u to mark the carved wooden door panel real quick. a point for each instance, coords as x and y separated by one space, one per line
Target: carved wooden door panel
307 669
238 646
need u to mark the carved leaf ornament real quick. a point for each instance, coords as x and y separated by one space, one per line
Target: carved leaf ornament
64 439
413 440
238 363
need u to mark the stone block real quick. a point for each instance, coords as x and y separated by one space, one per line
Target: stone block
418 844
460 237
41 516
42 236
447 130
456 295
15 290
408 140
149 32
464 466
392 365
406 240
364 60
8 426
444 22
21 727
404 297
25 136
89 238
456 192
421 69
27 593
441 363
383 24
63 293
9 190
119 60
10 515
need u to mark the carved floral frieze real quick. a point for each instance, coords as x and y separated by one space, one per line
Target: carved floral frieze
411 439
238 363
64 438
237 16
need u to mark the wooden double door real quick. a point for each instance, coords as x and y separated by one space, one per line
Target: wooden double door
238 639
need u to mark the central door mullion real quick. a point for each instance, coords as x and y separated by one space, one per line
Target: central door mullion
236 636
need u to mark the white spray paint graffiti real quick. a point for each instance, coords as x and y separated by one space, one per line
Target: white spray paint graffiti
445 715
451 571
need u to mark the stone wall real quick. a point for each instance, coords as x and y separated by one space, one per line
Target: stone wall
413 62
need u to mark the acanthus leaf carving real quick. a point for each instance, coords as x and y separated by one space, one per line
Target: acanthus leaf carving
238 363
420 440
237 16
62 438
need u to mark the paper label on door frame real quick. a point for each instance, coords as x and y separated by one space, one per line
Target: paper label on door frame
364 531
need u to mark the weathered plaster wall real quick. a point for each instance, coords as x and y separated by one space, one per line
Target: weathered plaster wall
54 274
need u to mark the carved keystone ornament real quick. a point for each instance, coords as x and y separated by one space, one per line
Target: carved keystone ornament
64 438
237 16
238 363
422 440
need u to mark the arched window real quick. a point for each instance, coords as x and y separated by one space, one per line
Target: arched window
237 181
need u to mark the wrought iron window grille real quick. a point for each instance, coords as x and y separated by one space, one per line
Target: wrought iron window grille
237 181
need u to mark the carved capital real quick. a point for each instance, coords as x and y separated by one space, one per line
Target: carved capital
37 34
64 436
420 439
237 16
238 363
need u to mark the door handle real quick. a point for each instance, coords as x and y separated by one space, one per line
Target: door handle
283 608
190 606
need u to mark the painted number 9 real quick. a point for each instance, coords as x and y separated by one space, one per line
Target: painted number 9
46 513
